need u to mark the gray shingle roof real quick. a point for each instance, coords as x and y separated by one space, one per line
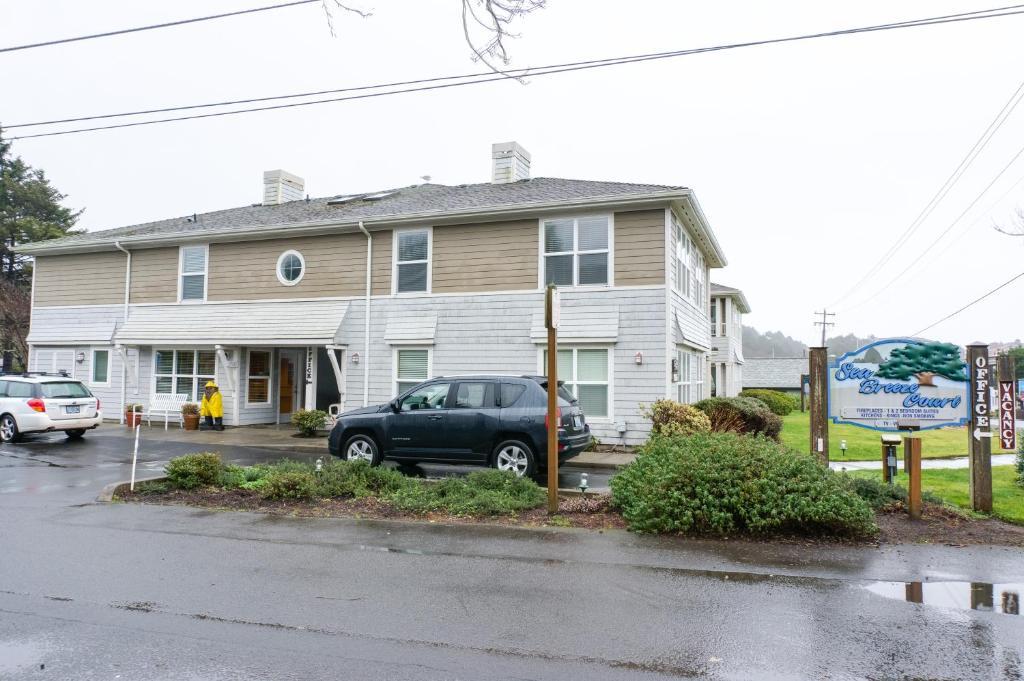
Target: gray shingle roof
405 201
723 290
774 372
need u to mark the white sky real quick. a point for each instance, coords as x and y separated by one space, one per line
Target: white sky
809 159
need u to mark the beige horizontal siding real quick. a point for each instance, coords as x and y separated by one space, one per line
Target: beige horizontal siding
381 275
640 248
335 266
155 275
498 256
80 279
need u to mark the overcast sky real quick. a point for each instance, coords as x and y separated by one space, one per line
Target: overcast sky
809 159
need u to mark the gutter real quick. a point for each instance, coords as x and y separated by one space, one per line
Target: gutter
366 315
124 355
333 226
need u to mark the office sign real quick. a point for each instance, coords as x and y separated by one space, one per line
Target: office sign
898 383
1007 415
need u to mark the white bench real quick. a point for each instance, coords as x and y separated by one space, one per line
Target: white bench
167 405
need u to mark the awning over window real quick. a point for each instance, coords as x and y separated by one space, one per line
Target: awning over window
691 339
416 329
73 326
580 324
737 355
278 323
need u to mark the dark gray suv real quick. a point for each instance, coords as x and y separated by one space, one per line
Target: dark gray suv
486 420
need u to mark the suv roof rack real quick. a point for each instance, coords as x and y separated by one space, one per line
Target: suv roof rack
29 374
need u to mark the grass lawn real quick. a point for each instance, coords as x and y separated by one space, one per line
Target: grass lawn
952 486
863 444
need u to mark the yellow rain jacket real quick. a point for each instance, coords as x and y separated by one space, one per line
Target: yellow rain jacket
212 405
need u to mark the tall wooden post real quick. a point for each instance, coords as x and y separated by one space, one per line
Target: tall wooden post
818 369
913 468
1007 403
979 433
551 316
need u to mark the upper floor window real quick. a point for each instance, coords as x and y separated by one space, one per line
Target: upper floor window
291 266
192 272
577 251
714 317
689 267
412 261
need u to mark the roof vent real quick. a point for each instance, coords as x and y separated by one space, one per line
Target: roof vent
377 196
509 163
280 186
344 198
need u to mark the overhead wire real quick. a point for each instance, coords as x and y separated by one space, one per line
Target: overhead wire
166 24
970 304
437 83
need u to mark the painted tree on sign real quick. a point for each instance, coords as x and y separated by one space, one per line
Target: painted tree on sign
925 361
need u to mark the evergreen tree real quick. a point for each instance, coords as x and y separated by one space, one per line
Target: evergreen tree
924 361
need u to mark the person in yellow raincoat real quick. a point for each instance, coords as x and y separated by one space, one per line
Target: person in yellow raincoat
212 407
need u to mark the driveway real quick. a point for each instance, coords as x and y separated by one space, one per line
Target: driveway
158 593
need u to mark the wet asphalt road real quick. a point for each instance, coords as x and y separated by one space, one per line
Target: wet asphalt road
97 591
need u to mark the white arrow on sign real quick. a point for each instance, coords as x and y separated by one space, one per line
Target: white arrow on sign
978 434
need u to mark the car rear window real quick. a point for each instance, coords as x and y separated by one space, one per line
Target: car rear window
510 392
19 389
64 389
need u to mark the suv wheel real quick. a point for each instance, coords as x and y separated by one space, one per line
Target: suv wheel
75 434
9 429
515 456
362 447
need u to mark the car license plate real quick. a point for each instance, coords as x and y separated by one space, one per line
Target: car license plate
73 409
577 422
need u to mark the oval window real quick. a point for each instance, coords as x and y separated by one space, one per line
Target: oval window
290 268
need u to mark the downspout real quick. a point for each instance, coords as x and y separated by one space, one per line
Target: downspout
124 355
366 339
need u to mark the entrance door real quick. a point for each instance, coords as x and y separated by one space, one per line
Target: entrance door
289 365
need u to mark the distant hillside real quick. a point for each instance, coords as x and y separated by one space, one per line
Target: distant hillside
778 344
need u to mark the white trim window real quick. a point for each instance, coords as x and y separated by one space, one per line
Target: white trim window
714 317
412 250
689 272
291 267
258 379
411 367
183 371
689 378
99 367
192 271
577 251
586 373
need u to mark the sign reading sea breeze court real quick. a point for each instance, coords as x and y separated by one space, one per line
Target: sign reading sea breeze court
900 383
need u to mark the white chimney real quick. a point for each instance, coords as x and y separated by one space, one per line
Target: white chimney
280 186
509 163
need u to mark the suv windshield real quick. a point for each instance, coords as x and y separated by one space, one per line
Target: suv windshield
64 389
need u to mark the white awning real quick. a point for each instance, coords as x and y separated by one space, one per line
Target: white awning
279 323
73 326
580 324
737 355
418 329
682 338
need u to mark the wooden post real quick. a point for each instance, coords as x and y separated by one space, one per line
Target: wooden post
982 596
818 369
885 463
913 467
551 317
979 433
915 592
1007 426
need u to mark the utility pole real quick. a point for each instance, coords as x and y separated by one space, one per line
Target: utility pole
824 323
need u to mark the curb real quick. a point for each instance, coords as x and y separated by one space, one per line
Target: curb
106 495
596 464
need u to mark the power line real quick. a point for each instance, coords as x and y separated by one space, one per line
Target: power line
167 24
970 304
530 71
947 186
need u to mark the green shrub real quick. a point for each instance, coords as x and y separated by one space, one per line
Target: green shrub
308 421
358 479
741 415
876 493
673 418
194 470
231 477
1020 459
289 485
778 402
254 473
488 492
721 483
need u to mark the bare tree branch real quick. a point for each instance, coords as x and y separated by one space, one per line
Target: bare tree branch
327 4
485 25
15 312
1018 227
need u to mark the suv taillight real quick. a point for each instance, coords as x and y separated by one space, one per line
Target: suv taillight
558 412
36 404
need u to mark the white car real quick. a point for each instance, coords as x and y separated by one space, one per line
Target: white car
42 403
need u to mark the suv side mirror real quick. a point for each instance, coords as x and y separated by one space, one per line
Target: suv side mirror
395 405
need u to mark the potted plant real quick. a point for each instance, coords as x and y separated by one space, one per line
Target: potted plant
309 421
190 415
132 414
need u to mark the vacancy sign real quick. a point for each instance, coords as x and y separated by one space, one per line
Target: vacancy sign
1007 415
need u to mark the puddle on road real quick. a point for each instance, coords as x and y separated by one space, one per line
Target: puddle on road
981 596
17 655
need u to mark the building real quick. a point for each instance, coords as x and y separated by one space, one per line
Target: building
775 373
728 305
300 303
